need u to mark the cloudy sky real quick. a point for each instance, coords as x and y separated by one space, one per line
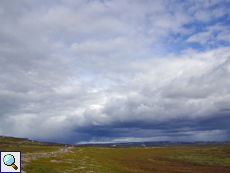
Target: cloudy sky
80 71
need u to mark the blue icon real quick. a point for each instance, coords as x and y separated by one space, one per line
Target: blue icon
9 160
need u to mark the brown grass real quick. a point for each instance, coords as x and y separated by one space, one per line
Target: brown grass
192 159
134 160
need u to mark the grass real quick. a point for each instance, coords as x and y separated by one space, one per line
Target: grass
26 146
192 159
135 160
29 149
207 156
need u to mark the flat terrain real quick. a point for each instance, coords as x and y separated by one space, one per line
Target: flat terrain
190 159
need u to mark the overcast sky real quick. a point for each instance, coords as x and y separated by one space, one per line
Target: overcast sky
79 71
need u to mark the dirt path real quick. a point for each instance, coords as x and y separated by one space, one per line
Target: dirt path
33 156
59 151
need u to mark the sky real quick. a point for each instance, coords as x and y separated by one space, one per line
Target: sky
90 71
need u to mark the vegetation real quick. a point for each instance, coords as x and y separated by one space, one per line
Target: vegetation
192 159
26 146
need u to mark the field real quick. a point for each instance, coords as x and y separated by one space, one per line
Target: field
183 159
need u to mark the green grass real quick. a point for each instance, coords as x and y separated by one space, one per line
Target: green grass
192 159
46 166
135 160
25 146
210 156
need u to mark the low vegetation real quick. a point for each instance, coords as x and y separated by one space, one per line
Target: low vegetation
192 159
26 146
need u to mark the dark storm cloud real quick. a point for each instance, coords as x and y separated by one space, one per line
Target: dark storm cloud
74 71
171 128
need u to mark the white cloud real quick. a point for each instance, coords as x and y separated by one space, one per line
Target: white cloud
85 71
201 38
212 35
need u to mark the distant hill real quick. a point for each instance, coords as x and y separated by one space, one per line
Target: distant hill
162 144
8 140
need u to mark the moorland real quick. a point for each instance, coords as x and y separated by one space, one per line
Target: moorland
176 158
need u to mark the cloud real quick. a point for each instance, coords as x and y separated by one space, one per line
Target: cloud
212 36
74 71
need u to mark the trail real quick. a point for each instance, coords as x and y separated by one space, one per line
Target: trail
33 156
59 151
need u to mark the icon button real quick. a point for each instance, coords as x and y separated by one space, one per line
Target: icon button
10 161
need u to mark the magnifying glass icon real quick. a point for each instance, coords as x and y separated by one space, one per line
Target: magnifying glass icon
9 160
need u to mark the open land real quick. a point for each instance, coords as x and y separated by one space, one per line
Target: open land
191 158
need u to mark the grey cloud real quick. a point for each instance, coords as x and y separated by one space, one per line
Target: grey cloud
202 86
74 71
